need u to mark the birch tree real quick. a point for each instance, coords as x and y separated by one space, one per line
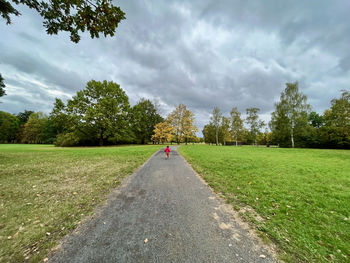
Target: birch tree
225 129
215 121
254 123
236 124
290 111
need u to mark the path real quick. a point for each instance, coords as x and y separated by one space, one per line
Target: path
166 204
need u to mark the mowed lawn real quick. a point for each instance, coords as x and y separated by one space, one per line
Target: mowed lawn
301 196
45 191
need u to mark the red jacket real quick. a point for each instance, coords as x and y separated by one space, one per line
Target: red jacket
167 150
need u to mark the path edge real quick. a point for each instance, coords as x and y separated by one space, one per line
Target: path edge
251 228
111 196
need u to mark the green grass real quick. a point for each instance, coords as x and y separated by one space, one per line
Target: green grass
301 196
45 191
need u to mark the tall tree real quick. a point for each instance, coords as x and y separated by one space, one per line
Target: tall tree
209 133
163 132
225 129
34 129
23 118
316 120
254 123
59 117
290 111
144 118
99 113
215 121
189 127
73 16
237 127
9 125
2 86
337 122
182 120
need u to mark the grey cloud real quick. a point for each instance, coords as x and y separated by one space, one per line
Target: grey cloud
202 53
66 80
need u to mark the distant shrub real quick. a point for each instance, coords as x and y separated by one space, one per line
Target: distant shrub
67 139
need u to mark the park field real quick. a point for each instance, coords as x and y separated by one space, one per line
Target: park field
297 198
46 191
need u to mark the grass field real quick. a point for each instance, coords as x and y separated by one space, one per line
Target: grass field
45 191
301 196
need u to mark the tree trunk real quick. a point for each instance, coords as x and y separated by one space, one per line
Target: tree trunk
292 137
217 136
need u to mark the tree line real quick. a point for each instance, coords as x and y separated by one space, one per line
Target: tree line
293 124
100 114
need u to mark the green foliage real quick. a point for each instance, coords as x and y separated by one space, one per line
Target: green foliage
336 131
67 139
24 116
316 120
2 86
59 117
225 130
144 117
9 125
98 114
237 128
215 120
38 129
73 16
290 118
300 195
51 189
209 133
254 123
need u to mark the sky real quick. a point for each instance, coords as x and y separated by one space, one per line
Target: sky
202 53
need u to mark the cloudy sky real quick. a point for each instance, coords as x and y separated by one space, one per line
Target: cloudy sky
201 53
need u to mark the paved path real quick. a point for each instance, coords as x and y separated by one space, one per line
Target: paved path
166 204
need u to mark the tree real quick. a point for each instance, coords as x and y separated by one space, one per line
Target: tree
316 120
59 117
9 125
336 131
189 128
291 111
34 129
96 115
73 16
23 118
144 118
209 133
163 132
254 123
2 86
215 121
237 127
182 120
225 129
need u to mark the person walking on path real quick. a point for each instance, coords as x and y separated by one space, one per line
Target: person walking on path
167 152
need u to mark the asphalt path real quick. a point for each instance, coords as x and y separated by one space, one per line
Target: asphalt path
162 213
